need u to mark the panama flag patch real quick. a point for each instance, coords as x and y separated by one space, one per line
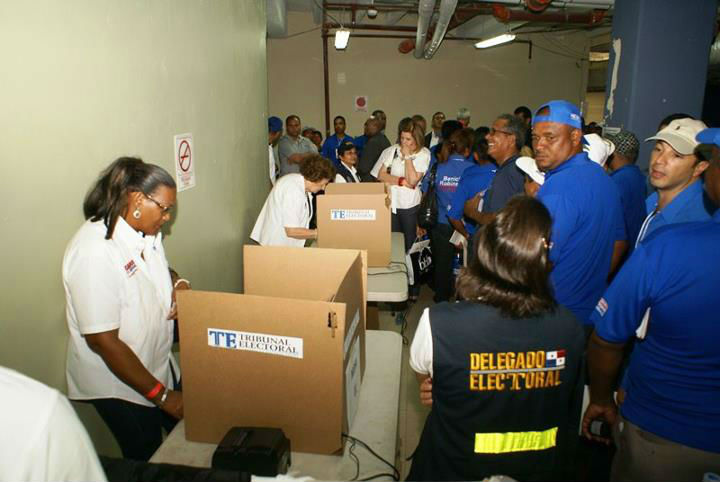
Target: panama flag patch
555 359
601 307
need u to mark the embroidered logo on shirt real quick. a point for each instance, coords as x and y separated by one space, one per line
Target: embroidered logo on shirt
130 268
515 371
601 307
555 358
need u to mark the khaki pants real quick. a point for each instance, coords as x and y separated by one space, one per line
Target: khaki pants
644 456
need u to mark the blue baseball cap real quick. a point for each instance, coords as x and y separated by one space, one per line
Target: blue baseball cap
274 124
562 112
709 136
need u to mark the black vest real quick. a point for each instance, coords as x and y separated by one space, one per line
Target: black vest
495 380
344 172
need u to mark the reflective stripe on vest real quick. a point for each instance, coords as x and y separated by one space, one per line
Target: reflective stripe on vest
500 443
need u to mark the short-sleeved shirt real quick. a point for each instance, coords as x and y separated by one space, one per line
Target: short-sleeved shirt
42 437
287 206
476 179
447 179
287 146
587 220
689 205
631 183
402 197
330 146
509 180
118 284
673 380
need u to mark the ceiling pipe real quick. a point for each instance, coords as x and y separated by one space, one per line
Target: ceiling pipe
537 6
603 4
505 15
425 13
447 8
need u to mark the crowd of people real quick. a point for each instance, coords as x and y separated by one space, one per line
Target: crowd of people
571 262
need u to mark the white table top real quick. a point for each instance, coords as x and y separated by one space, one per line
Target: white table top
375 423
390 284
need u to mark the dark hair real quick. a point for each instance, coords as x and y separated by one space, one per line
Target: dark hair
462 140
339 117
512 268
420 120
517 128
315 168
524 110
415 129
291 116
107 199
448 127
678 115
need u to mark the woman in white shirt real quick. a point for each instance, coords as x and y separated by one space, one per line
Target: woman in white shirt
287 211
402 167
120 306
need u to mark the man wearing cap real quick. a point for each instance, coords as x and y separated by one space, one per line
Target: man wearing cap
630 181
675 173
331 144
346 172
275 128
588 228
506 138
292 147
670 419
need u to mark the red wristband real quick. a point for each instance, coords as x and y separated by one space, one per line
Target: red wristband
400 181
155 391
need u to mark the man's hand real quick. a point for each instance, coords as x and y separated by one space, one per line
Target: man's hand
607 412
174 404
426 392
295 158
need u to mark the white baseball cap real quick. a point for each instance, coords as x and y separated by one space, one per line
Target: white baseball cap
680 134
598 149
529 167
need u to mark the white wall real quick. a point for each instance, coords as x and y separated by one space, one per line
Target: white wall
86 81
488 82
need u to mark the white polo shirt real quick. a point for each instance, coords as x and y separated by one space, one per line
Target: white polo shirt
402 197
121 283
41 437
287 206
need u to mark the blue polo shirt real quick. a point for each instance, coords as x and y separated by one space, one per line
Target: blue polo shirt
632 184
673 380
329 147
587 220
446 182
509 180
689 205
475 179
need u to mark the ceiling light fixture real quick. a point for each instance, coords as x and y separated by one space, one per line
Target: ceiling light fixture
341 38
491 42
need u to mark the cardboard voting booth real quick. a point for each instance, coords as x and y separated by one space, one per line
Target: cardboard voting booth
356 216
289 353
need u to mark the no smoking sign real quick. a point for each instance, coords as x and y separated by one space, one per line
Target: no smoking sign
184 162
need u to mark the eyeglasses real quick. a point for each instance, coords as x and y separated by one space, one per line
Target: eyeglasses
165 209
495 131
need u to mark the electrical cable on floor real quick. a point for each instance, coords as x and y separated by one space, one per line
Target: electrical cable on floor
351 452
396 473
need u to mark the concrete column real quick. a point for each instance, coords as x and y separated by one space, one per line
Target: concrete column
658 63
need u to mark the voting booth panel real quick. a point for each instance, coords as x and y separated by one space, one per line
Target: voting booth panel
275 361
356 216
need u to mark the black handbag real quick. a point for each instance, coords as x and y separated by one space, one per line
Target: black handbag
428 212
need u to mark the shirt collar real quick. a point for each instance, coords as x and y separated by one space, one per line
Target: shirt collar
510 161
457 157
576 160
690 194
349 168
125 234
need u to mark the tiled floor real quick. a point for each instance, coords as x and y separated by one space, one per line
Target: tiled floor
411 414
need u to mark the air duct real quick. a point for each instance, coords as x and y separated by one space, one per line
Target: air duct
447 9
425 13
276 18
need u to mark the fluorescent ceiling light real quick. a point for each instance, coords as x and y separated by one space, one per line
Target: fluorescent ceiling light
491 42
341 39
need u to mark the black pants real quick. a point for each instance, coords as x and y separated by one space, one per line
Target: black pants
442 254
405 221
137 428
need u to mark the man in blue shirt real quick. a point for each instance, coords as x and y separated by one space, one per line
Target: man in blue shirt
588 232
630 181
670 418
329 147
675 172
506 138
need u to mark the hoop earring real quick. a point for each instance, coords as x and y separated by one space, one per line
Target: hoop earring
136 213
